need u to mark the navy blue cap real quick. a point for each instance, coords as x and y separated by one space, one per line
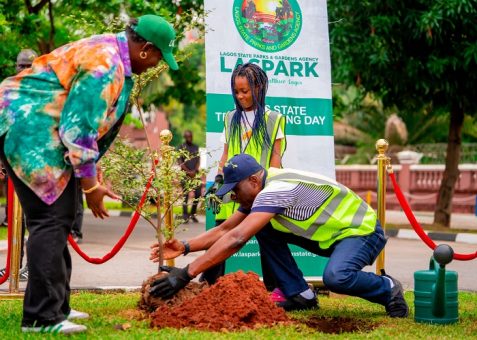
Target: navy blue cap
238 168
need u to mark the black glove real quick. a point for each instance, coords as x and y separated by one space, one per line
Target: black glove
167 286
211 200
218 181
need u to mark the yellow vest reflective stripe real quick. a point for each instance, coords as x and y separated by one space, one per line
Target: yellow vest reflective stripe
274 121
343 214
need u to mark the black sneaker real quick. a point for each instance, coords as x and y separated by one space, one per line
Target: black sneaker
194 219
298 302
397 307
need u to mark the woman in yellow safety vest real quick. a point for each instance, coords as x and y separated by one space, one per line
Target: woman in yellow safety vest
252 129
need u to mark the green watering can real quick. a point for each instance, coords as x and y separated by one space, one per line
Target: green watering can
435 290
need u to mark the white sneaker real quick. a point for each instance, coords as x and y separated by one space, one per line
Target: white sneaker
24 274
77 315
64 327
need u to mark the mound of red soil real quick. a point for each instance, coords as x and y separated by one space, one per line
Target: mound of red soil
236 301
150 303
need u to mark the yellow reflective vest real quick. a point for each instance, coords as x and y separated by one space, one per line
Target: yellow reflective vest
262 154
343 214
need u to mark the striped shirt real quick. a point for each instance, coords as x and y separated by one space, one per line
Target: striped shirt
298 201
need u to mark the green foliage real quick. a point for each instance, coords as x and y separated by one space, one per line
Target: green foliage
435 153
413 54
129 168
417 58
181 94
183 90
179 123
189 82
3 233
130 120
469 129
36 27
361 110
368 114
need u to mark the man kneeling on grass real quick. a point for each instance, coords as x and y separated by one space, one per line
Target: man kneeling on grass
305 209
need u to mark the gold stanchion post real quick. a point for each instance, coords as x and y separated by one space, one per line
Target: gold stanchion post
14 280
383 160
167 161
16 245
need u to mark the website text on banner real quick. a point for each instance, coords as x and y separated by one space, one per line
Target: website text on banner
289 41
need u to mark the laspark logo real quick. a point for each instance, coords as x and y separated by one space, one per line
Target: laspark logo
268 25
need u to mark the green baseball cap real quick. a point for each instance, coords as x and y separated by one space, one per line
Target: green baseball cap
160 33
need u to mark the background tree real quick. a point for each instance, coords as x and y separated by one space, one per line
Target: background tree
364 113
46 24
417 56
184 102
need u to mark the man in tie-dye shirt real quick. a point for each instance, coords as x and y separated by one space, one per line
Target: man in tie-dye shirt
56 120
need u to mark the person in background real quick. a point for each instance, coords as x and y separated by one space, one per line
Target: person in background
57 119
191 168
76 228
24 60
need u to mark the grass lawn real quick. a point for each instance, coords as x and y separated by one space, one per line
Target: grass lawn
3 233
109 311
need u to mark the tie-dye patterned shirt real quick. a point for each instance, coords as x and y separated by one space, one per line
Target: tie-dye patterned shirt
56 114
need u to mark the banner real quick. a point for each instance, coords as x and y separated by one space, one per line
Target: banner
289 40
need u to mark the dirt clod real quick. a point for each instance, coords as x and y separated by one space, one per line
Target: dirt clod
338 325
150 303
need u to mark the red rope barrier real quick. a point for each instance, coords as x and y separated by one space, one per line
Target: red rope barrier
117 247
417 227
10 192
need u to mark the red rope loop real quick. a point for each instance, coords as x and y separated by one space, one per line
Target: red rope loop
417 227
117 247
10 192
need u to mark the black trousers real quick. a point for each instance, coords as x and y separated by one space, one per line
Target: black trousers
78 222
195 202
47 293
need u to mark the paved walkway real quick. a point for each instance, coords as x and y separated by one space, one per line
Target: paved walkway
458 221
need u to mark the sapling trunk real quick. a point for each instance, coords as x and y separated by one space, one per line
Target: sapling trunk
159 236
